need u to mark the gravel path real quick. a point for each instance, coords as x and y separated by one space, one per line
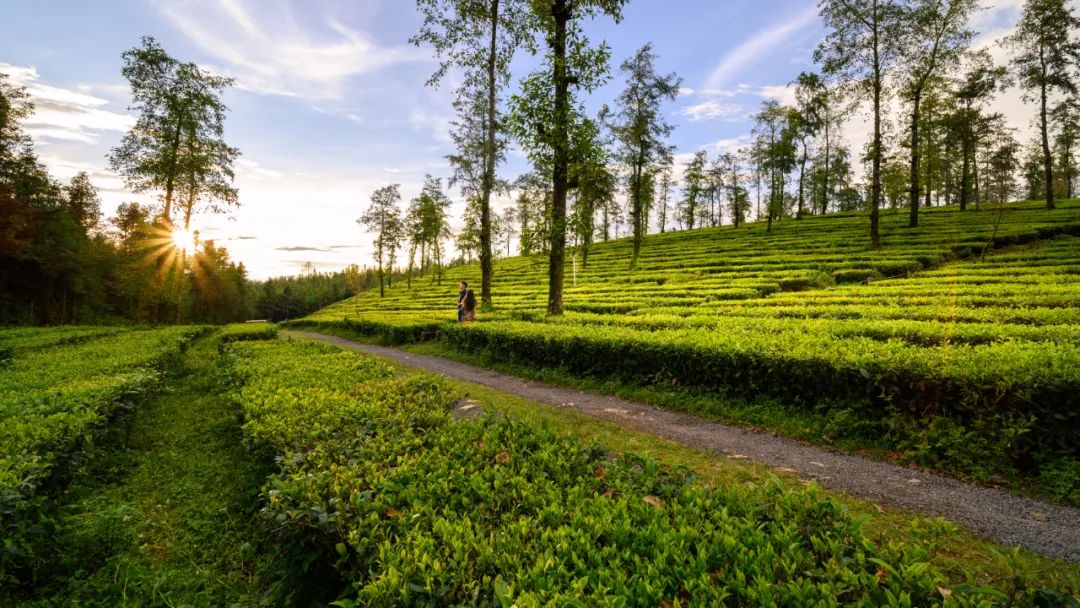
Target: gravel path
1037 526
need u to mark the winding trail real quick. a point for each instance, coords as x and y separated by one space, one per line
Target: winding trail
1038 526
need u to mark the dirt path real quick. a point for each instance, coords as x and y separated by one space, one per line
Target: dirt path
1037 526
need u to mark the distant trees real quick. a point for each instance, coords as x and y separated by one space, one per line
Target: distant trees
480 37
1048 53
664 184
937 35
694 188
774 144
861 49
641 133
383 219
1066 119
176 145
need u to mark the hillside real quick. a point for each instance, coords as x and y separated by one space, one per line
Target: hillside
920 348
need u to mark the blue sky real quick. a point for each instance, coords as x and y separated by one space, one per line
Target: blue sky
330 101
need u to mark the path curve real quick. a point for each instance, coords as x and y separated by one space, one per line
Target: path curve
1038 526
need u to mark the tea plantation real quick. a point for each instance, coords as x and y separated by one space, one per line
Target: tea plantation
957 345
254 471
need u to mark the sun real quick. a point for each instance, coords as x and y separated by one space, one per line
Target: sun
185 239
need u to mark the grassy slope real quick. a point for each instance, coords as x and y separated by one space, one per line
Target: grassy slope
168 518
787 299
959 554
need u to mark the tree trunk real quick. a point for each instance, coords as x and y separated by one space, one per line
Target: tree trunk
1048 164
913 220
637 208
169 180
825 179
802 174
488 182
875 188
560 11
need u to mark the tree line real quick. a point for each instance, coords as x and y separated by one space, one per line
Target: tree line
61 262
910 63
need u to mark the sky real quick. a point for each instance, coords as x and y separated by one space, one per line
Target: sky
330 100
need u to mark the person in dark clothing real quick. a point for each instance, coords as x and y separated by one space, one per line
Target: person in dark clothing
461 300
470 306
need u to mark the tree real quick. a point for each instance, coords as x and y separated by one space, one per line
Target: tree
664 184
434 206
967 121
811 114
178 132
82 202
505 224
481 37
383 219
594 183
543 109
1066 117
937 35
774 144
641 132
693 188
862 48
738 198
1048 52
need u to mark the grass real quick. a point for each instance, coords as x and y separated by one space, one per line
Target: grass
957 553
167 517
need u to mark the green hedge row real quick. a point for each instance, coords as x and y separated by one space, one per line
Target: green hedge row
414 508
55 396
1030 388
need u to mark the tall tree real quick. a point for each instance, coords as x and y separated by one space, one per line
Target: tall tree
1066 118
937 36
480 37
383 219
664 183
811 99
545 107
972 91
178 131
641 132
862 48
731 163
775 129
82 202
1048 52
694 184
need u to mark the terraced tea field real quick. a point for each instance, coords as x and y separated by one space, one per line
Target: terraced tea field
264 471
954 361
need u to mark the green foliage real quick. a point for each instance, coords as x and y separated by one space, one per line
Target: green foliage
962 365
56 395
240 332
413 507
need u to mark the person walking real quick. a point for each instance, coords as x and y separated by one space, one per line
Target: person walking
464 291
470 306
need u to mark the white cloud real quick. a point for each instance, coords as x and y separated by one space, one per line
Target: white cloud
268 51
757 48
710 110
784 93
250 168
67 114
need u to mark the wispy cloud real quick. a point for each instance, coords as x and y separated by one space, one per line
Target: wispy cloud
710 110
64 113
757 48
268 51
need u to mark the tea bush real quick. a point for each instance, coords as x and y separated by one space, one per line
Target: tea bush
415 508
